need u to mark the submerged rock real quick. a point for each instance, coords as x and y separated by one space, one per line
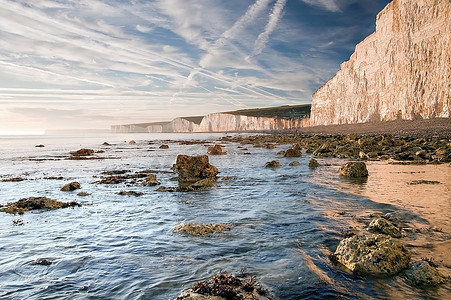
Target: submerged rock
272 164
42 262
151 180
201 229
225 287
71 187
191 169
373 254
382 226
130 193
294 163
356 169
313 163
216 150
32 203
421 273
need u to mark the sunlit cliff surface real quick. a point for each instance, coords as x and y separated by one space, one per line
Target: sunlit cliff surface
401 71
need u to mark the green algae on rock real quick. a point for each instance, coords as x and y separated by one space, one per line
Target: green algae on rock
201 229
372 254
356 169
421 273
33 203
382 226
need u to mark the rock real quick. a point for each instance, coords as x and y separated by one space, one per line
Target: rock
130 193
382 226
397 72
132 142
203 184
421 273
164 147
294 163
151 180
32 203
272 164
201 229
42 262
191 169
71 187
373 254
313 163
83 152
216 150
293 153
111 180
106 144
14 179
83 194
40 146
225 287
354 170
18 222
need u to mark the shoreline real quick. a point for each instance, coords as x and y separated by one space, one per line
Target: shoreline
439 127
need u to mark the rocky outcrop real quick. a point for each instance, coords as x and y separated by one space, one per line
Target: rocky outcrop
400 71
191 169
372 254
356 169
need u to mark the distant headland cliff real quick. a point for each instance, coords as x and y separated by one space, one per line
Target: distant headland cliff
401 71
260 119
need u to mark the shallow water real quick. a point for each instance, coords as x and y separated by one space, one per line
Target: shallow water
284 222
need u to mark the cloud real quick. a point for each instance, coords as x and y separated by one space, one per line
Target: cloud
274 17
330 5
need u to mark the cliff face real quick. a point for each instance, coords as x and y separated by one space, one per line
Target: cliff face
217 122
402 70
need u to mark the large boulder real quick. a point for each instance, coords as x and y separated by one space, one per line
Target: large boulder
191 169
355 169
382 226
372 254
421 273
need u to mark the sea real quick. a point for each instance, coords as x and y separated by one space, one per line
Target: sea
284 221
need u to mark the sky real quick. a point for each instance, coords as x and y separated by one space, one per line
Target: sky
95 63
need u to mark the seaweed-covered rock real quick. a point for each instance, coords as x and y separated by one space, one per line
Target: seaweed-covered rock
83 152
421 273
191 169
216 150
225 287
382 226
71 187
151 180
293 153
272 164
32 203
130 193
111 180
356 169
313 163
372 254
201 229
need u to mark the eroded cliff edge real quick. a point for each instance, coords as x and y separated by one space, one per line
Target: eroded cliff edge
401 71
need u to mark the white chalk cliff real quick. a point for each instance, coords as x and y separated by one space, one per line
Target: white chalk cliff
401 71
216 122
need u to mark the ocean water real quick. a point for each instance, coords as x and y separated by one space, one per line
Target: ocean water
284 221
